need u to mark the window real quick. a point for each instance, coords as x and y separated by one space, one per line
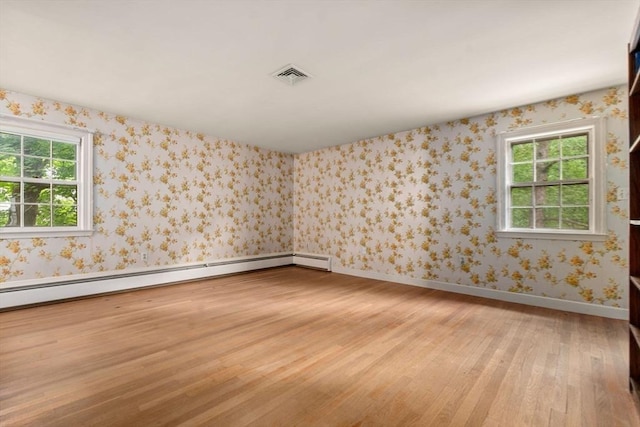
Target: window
45 179
552 181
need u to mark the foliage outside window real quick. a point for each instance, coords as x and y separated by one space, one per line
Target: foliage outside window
45 179
551 180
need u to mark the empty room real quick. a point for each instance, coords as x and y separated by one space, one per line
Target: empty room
319 213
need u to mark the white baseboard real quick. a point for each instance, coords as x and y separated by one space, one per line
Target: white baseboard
552 303
26 292
14 294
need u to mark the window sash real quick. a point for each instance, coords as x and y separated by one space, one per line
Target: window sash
592 153
82 140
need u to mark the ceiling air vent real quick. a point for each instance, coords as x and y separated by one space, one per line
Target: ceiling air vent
291 74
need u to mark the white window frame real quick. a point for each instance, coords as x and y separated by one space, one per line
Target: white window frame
596 130
84 140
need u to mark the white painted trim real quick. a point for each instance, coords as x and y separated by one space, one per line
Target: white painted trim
53 281
550 235
83 139
596 128
45 290
533 300
32 123
35 291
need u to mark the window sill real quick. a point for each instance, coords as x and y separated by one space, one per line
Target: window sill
44 234
550 235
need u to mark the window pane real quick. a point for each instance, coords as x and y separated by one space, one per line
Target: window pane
521 218
13 216
577 194
575 218
65 194
575 169
548 195
33 213
548 218
4 217
65 215
9 196
43 219
36 167
30 215
33 191
9 192
64 151
37 147
9 165
575 146
522 173
522 152
65 210
44 196
63 169
547 171
9 143
548 149
521 196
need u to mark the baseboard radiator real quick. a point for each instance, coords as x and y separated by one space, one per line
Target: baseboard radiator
321 262
28 292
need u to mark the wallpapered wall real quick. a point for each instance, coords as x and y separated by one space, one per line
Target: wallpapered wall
179 196
406 205
410 204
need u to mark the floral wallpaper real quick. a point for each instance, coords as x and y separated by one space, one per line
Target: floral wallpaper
412 204
176 195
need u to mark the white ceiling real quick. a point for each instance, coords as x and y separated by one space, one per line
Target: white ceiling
379 66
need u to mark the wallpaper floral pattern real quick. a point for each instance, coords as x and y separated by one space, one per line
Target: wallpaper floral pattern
176 195
416 204
407 205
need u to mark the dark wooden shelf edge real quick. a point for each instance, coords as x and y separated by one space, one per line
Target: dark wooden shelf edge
633 79
635 331
636 85
635 387
635 146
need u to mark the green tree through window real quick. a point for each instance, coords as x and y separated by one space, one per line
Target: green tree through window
551 181
38 182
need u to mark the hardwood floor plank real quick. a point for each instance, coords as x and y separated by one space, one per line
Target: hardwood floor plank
298 347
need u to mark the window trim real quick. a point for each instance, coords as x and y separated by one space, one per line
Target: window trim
596 128
84 139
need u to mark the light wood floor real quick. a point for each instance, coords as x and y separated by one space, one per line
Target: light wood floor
297 347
